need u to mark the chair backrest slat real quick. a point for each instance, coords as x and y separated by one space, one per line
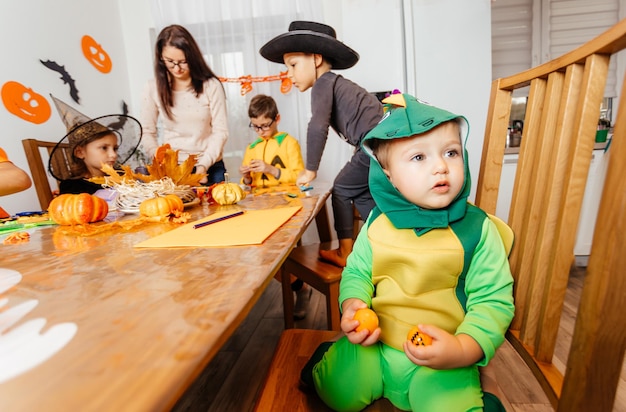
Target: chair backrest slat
600 331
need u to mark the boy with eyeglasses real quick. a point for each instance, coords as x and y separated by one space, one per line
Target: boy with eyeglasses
274 157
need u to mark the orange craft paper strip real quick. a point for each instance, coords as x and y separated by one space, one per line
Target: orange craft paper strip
251 228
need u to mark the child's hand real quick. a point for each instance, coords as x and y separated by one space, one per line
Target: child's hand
349 324
259 166
447 351
244 170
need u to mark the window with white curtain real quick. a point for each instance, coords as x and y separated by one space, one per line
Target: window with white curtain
230 35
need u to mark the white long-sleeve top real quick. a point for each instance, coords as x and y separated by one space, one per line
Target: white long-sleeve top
199 124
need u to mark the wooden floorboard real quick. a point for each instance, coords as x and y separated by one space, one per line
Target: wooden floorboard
233 378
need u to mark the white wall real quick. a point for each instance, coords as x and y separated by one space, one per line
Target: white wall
453 63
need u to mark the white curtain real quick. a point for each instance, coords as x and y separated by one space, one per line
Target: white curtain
230 34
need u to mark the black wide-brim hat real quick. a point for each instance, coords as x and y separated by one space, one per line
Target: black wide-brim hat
310 37
126 128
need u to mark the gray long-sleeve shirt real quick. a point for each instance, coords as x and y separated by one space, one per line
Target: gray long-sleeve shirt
343 105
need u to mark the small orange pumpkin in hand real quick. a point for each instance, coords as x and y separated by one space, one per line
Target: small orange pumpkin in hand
161 206
77 209
419 338
367 320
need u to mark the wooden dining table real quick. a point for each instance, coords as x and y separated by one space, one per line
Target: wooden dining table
107 326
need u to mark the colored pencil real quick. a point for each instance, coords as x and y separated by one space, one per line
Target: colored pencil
219 219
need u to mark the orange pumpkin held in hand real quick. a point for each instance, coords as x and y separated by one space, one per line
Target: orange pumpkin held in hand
70 209
419 338
367 320
95 54
24 103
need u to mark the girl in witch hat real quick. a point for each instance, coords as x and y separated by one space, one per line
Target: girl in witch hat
92 143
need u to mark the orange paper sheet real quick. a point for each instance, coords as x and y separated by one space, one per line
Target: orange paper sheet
251 228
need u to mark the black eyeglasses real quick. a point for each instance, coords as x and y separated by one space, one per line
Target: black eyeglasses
264 127
172 64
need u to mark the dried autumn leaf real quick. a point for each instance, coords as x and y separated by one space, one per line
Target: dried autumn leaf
113 177
165 164
183 218
160 153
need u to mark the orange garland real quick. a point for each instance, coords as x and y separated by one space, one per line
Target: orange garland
246 82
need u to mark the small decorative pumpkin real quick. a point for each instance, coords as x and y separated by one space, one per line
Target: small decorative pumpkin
419 338
70 209
161 206
227 193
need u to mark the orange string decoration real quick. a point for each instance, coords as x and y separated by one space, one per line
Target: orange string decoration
246 82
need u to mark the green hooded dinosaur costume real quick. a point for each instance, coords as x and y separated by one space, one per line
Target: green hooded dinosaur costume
446 267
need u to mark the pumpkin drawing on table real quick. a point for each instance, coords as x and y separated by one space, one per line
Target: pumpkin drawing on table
77 209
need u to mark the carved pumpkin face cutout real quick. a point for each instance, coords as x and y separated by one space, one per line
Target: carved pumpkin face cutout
25 103
96 55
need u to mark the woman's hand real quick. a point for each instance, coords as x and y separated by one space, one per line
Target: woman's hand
349 324
305 177
447 351
200 169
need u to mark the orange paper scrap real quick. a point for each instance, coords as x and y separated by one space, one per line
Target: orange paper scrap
251 228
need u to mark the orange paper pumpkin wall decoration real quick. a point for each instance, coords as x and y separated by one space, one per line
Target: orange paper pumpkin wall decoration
24 103
96 55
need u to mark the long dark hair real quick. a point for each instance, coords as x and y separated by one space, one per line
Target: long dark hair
178 36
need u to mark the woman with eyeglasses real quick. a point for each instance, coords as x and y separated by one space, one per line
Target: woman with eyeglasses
190 101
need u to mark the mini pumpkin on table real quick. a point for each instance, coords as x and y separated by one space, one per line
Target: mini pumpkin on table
227 193
77 209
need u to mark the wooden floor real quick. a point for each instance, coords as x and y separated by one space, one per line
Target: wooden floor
232 380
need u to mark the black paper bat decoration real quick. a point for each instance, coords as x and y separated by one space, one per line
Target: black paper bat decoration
122 120
65 76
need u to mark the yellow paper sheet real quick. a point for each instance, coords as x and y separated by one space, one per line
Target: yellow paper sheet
251 228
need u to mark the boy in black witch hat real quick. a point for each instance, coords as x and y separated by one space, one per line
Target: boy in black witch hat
310 51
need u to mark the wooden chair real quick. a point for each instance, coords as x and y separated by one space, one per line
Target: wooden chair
303 263
38 167
558 139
